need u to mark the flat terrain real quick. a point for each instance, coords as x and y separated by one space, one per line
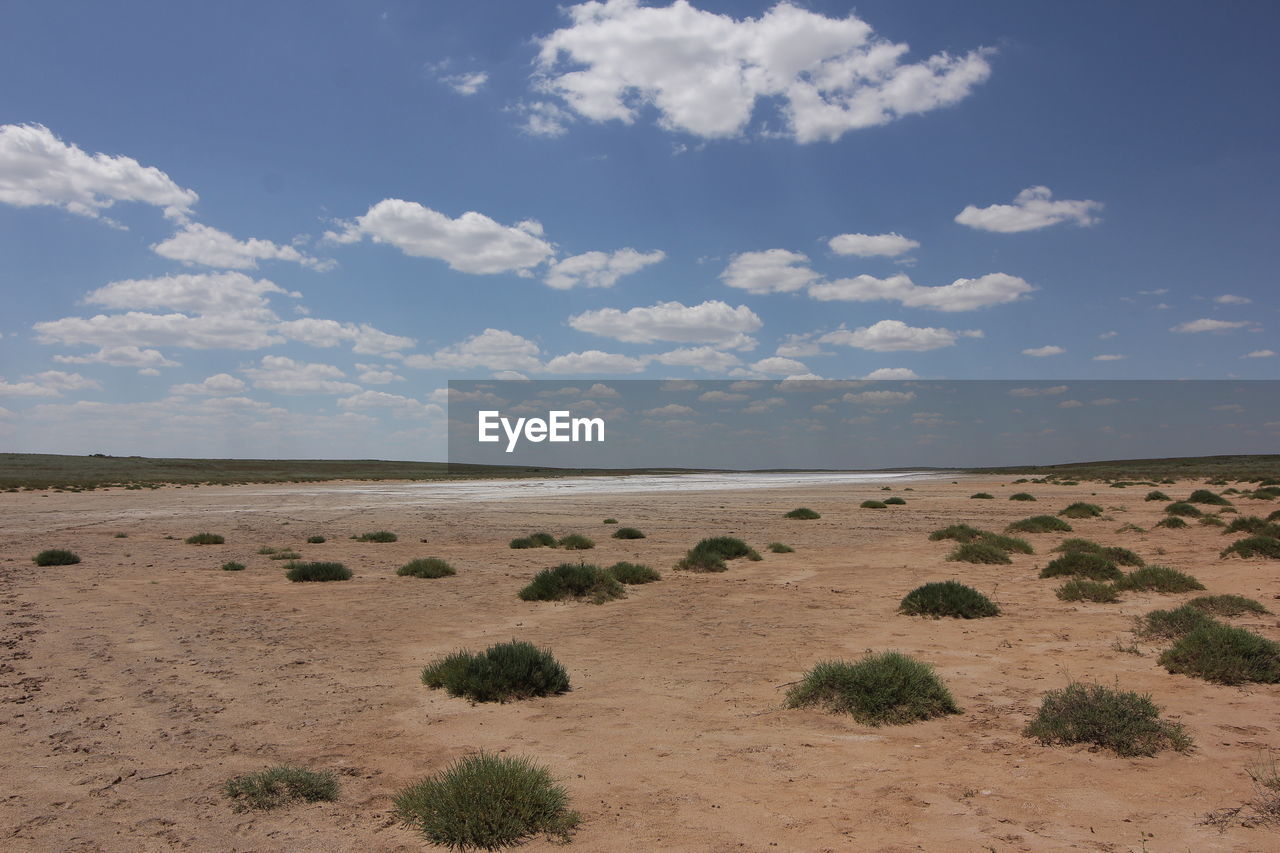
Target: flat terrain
135 683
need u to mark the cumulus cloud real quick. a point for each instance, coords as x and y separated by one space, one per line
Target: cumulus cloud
1042 352
897 336
286 376
770 271
494 349
1232 299
39 169
892 373
203 293
1038 391
595 361
544 118
365 339
1205 324
711 322
963 294
121 356
1260 353
872 245
218 384
703 358
880 398
779 366
209 247
705 73
50 383
1110 357
399 405
376 374
1032 210
472 243
466 83
598 269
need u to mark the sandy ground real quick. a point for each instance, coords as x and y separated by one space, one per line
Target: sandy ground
135 683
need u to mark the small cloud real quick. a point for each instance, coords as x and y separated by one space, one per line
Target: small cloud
1050 391
1106 336
892 373
1042 352
1259 353
1032 210
1205 324
1109 357
1232 299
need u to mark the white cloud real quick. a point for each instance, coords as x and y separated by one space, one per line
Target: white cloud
712 322
799 346
880 398
703 358
779 366
472 243
897 336
467 83
26 389
203 293
1031 210
721 397
219 383
38 169
704 73
1109 357
366 340
1260 353
964 294
1232 299
598 269
286 376
402 406
770 271
1048 391
670 410
544 118
872 245
376 374
1204 324
494 349
595 361
207 246
134 328
50 383
1106 336
121 356
1042 352
892 373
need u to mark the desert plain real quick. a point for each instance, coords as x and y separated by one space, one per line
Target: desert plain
135 683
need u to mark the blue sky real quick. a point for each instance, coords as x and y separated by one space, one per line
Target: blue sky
279 229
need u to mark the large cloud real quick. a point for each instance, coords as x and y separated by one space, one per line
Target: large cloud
207 246
122 356
705 73
1031 210
711 322
963 294
872 245
598 269
770 271
897 336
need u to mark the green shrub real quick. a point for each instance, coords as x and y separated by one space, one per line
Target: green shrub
521 543
278 786
802 513
502 672
1183 509
894 501
377 536
1172 523
887 688
486 802
117 536
979 552
1039 524
1275 516
873 505
426 567
982 496
1021 496
232 566
1171 624
958 532
1082 564
1129 527
205 539
1211 521
611 521
1204 496
1157 496
573 580
266 549
947 598
1117 555
576 542
1011 544
542 539
727 547
1254 546
1126 723
780 548
315 540
627 533
1079 589
56 557
285 555
701 561
301 572
1225 654
1080 509
633 573
1227 605
1252 524
1158 579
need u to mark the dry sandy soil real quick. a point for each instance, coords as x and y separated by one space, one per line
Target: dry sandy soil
135 683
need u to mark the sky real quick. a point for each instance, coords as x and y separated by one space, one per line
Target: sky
279 229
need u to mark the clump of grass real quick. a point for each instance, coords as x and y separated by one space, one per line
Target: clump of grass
576 542
628 533
1079 589
1225 654
1254 546
717 548
701 561
1124 722
1084 565
1119 556
1183 509
780 548
542 539
1080 509
894 501
1157 495
1022 496
633 573
802 513
573 580
122 536
889 688
611 521
486 802
1227 605
1171 624
315 540
979 552
873 505
232 566
958 532
1204 496
280 785
1158 579
1011 544
377 536
521 543
426 567
285 555
56 557
266 549
205 539
1039 524
1252 524
305 572
501 673
947 598
1211 521
982 496
1129 527
1275 516
1172 523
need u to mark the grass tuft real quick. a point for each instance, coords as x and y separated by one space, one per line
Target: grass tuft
1254 546
278 786
1157 495
958 532
232 566
873 505
577 542
520 543
285 555
889 688
317 572
501 673
1022 496
780 548
1171 624
1224 654
982 496
628 533
205 539
611 521
573 580
979 552
633 573
894 501
426 567
1204 496
1227 605
1080 509
802 513
1124 722
947 598
1172 523
1117 555
1183 509
377 536
315 540
1039 524
1082 564
1158 579
56 557
1079 589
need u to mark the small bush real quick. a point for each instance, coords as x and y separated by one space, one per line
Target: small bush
1126 723
958 532
780 548
701 561
1211 521
426 567
1082 564
1158 579
573 580
1171 624
627 533
1117 555
117 536
979 552
1252 524
278 786
802 513
1254 546
285 555
982 496
1225 654
889 688
266 549
1039 524
576 542
1172 523
542 539
205 539
377 536
232 566
894 501
873 505
1078 589
1183 509
1204 496
633 573
1129 527
1275 516
727 547
1080 509
611 521
521 543
1021 496
1157 496
1227 605
304 572
502 672
486 802
948 598
56 557
1011 544
315 540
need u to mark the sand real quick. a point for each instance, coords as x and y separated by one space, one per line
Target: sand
135 683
